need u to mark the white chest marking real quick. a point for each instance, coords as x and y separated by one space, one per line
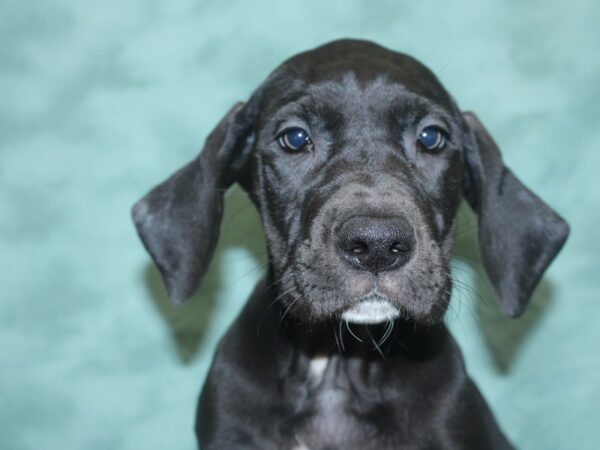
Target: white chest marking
317 366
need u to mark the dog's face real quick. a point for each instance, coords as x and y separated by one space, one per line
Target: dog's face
368 209
357 160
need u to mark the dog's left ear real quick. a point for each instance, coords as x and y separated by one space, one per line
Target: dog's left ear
519 234
178 221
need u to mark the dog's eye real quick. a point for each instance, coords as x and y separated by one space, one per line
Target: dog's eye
432 139
294 139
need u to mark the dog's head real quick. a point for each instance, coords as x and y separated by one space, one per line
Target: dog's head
357 159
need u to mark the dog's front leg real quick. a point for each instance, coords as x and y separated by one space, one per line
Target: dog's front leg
234 415
242 404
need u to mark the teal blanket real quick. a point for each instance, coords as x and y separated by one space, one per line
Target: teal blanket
100 100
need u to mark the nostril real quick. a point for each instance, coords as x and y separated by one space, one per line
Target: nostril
359 248
356 247
399 247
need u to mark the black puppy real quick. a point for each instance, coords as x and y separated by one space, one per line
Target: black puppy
357 160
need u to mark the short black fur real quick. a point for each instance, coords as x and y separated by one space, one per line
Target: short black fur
333 352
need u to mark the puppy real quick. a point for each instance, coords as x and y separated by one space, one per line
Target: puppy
357 160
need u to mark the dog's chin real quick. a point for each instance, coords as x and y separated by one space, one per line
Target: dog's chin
375 309
371 310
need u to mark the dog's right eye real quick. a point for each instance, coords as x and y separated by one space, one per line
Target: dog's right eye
294 139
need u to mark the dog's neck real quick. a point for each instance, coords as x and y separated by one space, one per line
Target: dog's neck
398 339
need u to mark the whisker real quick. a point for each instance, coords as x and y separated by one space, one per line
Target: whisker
248 272
375 344
287 310
388 331
337 342
286 292
341 334
355 336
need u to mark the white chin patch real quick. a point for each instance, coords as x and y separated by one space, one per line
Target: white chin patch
373 309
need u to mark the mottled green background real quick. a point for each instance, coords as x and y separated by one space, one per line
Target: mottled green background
100 100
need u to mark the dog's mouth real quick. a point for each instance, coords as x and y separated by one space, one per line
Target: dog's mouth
371 309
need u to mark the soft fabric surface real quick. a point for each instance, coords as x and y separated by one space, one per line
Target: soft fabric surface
99 101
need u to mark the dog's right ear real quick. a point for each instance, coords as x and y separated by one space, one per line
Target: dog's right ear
178 221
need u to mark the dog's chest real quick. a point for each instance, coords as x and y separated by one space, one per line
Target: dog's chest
333 411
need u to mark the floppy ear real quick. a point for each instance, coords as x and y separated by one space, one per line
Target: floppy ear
519 234
178 221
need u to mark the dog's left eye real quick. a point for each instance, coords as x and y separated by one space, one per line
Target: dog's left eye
432 139
294 139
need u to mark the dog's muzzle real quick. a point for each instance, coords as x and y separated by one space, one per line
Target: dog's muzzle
375 245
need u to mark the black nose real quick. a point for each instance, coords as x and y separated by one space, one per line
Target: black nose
375 244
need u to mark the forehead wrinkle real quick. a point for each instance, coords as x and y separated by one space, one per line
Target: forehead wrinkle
360 100
412 110
347 87
349 104
347 95
308 108
288 106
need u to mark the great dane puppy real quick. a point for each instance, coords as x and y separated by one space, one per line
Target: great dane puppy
357 160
